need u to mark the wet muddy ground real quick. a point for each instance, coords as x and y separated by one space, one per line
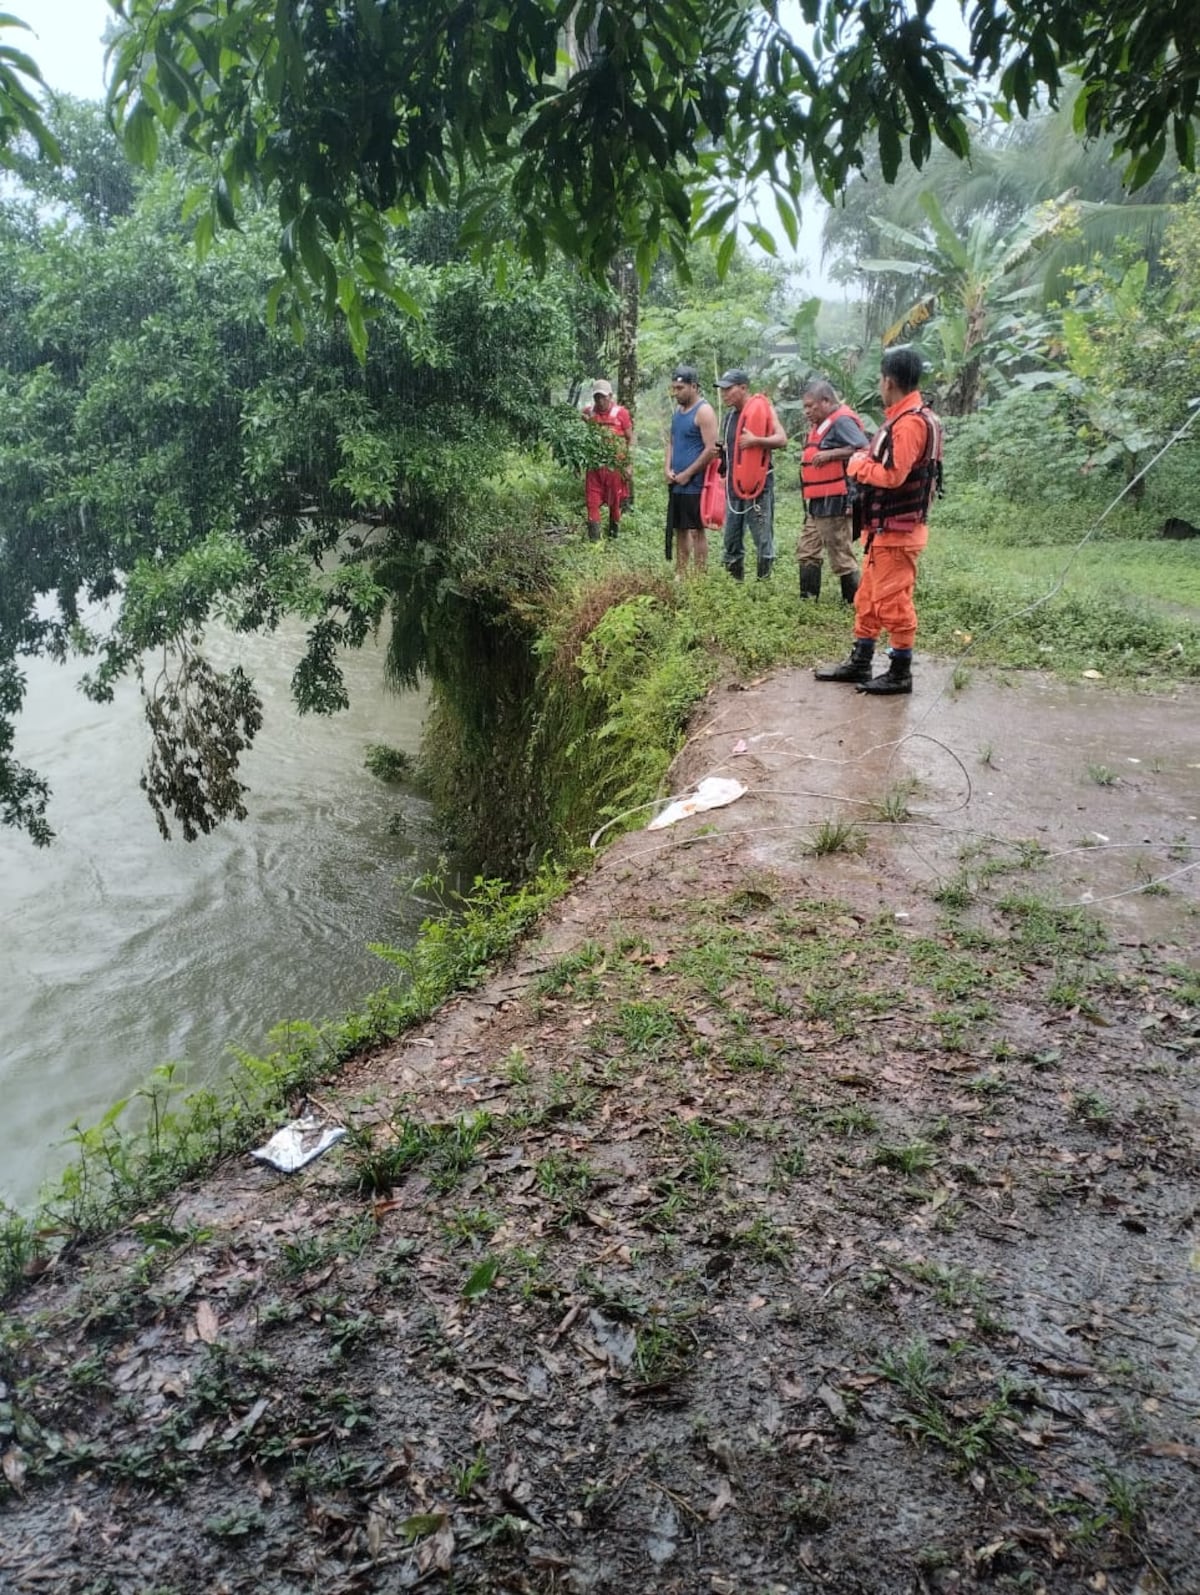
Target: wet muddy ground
811 1207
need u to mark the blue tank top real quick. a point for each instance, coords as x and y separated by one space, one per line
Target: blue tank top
687 445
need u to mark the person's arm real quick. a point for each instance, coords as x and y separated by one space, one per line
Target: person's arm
706 420
776 438
845 438
908 444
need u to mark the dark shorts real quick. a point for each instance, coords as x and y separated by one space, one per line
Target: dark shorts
684 510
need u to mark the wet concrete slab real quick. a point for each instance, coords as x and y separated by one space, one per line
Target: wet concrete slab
1106 782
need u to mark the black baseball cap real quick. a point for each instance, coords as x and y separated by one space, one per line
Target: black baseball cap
685 374
734 379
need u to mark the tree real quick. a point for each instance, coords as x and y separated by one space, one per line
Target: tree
20 108
350 113
167 453
971 296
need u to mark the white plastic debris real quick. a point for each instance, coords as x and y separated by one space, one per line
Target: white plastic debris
714 792
298 1143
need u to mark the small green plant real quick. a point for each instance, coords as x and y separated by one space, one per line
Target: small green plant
470 1224
566 1181
1126 1498
895 806
470 1474
516 1068
751 1056
388 764
836 836
960 678
765 1241
987 755
955 893
646 1027
238 1524
1102 775
914 1157
853 1119
1092 1108
791 1163
663 1350
573 973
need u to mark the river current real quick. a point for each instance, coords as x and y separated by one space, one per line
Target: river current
119 951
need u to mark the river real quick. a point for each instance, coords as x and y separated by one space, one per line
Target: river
119 951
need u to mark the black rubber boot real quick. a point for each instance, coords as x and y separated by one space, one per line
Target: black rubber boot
849 586
736 569
856 669
593 531
611 529
896 678
810 581
764 569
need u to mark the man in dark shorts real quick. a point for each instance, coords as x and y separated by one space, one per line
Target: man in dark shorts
692 443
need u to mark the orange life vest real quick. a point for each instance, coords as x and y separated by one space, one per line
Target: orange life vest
900 508
827 480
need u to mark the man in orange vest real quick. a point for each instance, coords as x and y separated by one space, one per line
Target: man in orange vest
835 433
608 484
897 478
758 513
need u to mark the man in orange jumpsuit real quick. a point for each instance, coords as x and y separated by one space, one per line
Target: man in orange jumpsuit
897 477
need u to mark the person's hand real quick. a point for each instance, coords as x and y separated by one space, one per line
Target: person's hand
855 461
751 440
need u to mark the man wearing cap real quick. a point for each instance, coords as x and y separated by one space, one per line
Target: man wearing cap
690 446
608 485
758 513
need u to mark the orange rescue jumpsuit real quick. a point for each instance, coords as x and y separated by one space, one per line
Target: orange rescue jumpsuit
884 601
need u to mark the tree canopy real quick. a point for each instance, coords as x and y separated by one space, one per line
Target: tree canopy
654 133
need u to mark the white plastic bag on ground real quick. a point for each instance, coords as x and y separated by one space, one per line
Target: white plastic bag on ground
714 792
298 1143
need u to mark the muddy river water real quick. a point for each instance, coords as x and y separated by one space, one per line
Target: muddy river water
119 951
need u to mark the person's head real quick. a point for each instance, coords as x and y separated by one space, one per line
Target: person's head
602 395
685 385
735 388
899 374
820 400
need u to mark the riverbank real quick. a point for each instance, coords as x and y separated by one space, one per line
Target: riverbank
807 1206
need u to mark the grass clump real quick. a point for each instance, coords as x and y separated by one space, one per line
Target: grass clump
836 836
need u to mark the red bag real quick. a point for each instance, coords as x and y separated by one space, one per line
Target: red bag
712 495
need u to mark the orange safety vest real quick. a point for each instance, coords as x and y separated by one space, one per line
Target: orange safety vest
827 480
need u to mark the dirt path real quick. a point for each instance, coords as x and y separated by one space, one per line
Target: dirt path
780 1221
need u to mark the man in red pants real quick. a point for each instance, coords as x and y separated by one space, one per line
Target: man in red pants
608 485
897 477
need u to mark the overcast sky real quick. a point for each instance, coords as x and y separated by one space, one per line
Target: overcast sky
67 42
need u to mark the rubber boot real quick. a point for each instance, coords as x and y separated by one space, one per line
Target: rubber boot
593 531
764 569
849 586
856 669
736 569
810 581
896 678
611 529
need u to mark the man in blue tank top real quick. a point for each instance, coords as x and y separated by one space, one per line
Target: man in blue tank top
692 443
